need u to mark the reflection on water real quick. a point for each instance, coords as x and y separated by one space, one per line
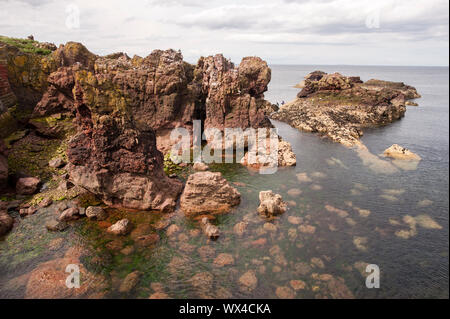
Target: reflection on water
344 213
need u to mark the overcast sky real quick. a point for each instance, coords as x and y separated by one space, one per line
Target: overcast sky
364 32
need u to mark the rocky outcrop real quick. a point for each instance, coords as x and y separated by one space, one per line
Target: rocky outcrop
401 153
27 185
208 193
271 204
339 107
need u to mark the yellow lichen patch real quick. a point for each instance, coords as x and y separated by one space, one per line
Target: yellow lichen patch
20 61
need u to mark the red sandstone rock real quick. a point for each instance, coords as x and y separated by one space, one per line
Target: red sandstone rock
27 185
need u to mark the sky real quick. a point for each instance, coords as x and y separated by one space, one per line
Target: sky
332 32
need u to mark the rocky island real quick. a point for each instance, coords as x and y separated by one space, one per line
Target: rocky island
340 107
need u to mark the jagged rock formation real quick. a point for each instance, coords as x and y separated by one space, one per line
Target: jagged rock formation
123 105
339 107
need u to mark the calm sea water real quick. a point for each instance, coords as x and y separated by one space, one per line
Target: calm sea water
413 266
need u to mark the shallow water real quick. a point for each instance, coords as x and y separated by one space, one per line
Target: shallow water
365 228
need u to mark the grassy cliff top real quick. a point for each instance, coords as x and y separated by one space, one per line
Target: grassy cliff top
25 45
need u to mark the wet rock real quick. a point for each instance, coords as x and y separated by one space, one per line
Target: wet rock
297 284
248 281
200 167
56 163
360 243
206 252
172 230
24 212
194 232
424 203
147 240
27 185
340 212
69 214
270 227
96 213
208 192
122 227
115 245
294 192
128 250
294 220
130 282
401 153
56 244
224 259
303 178
6 222
307 229
315 187
48 279
240 228
271 204
45 202
285 293
427 222
259 242
292 234
187 248
141 230
210 230
302 268
56 225
317 262
202 281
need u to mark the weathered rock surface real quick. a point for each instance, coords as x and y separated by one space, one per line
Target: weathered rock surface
27 185
339 107
401 153
97 213
271 204
208 192
122 227
248 281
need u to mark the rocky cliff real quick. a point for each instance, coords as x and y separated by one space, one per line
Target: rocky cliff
122 107
339 107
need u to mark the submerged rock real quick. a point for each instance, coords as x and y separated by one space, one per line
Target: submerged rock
3 164
248 281
285 293
208 192
56 225
271 204
224 260
130 281
69 214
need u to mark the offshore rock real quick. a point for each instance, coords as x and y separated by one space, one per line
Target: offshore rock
339 107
